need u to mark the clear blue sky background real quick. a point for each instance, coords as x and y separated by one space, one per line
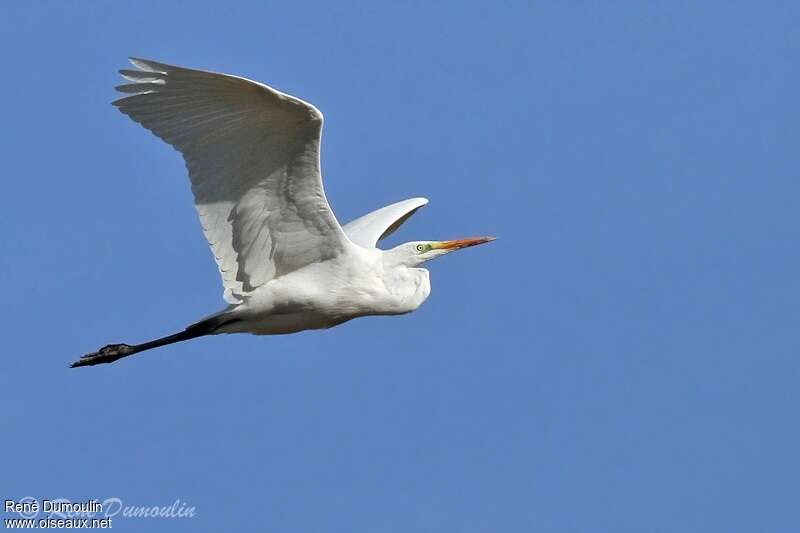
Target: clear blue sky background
624 358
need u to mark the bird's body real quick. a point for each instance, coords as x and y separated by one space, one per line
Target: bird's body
326 294
253 159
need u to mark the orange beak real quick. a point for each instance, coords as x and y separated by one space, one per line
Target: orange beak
461 243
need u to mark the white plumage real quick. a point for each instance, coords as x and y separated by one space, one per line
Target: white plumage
366 231
253 156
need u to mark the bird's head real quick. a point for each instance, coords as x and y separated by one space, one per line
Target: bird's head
417 252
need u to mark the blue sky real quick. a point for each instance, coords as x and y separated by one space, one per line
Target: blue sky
624 358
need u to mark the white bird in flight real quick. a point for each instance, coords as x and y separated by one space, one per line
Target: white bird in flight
253 156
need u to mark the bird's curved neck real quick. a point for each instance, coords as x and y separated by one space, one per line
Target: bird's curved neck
409 287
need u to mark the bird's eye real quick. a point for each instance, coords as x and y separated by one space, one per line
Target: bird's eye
420 247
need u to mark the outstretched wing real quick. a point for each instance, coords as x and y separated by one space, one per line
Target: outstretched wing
253 159
366 231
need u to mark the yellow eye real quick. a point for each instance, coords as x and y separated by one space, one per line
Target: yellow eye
420 247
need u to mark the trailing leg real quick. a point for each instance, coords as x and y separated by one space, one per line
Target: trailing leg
114 352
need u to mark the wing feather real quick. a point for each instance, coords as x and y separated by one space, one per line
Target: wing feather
253 159
367 230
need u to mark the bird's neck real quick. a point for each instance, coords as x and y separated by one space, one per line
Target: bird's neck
408 287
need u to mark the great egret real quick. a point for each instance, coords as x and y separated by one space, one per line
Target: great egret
253 159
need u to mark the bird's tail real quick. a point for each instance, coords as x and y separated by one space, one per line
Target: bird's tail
114 352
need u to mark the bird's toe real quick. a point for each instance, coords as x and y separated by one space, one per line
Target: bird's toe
106 354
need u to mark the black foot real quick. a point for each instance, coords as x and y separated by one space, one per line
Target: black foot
106 354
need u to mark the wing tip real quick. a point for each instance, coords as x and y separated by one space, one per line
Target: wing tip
148 65
140 76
